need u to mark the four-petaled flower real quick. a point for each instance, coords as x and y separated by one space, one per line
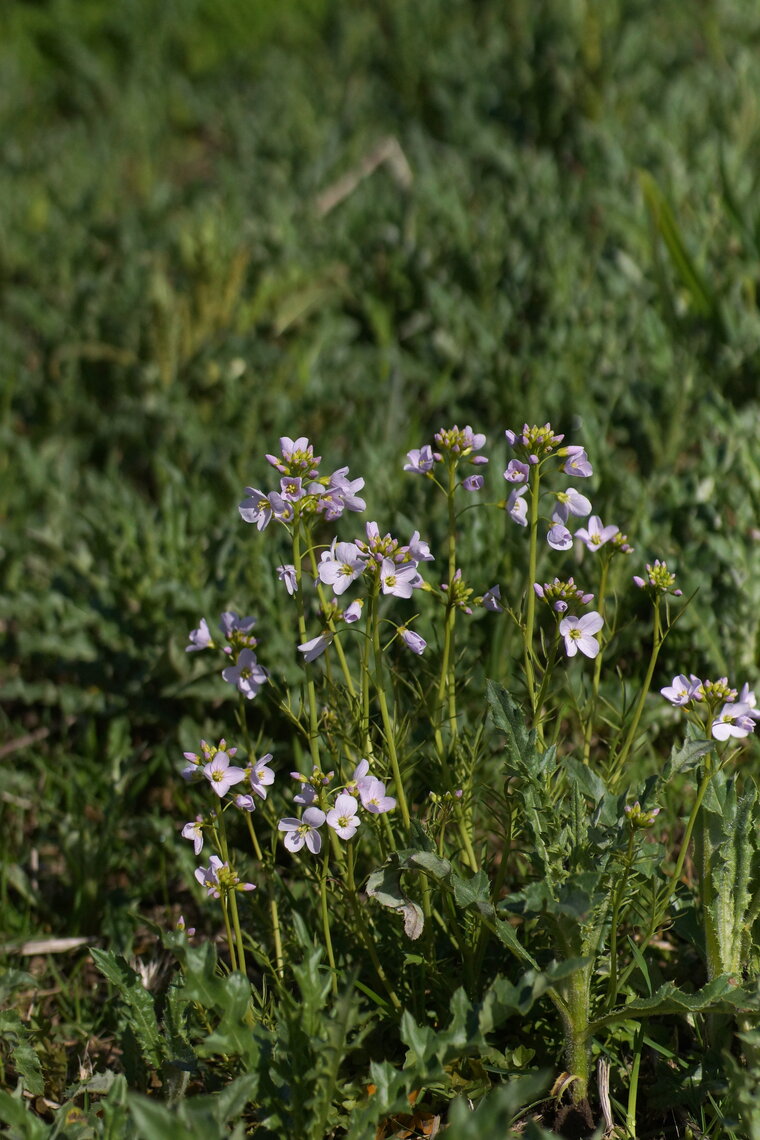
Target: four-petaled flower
221 774
421 460
342 818
595 535
341 565
579 633
247 674
373 797
399 580
303 831
734 719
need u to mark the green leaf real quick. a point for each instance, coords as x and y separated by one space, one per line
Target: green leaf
704 300
471 891
686 757
141 1012
15 1114
13 1030
721 995
507 715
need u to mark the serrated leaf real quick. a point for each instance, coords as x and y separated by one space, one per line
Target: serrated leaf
139 1002
686 757
473 890
719 996
584 778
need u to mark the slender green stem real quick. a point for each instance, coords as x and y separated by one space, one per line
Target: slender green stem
324 910
238 931
616 903
633 1087
382 701
464 835
657 640
223 847
228 931
550 663
331 625
530 601
274 913
254 841
310 687
594 701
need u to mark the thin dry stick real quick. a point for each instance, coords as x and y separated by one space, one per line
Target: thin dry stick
388 152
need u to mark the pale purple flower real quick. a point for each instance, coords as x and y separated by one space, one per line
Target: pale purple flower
200 638
221 775
579 633
287 574
491 600
412 640
559 537
281 508
682 690
577 462
516 471
341 565
570 502
342 818
353 612
373 797
421 460
312 649
261 775
517 506
419 551
183 928
306 796
304 830
245 802
342 489
194 832
256 508
208 877
292 488
473 483
247 674
735 719
399 580
596 535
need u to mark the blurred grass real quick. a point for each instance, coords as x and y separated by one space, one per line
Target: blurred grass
579 242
